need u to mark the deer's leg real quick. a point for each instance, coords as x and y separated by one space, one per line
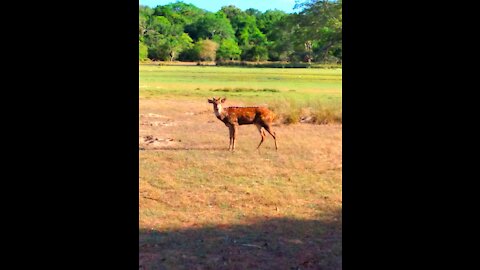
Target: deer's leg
234 128
230 130
269 130
262 133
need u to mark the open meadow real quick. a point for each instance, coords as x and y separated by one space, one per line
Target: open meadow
203 207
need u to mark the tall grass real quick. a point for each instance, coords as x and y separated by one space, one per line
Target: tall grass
292 111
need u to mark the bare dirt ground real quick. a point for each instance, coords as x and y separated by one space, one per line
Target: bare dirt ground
170 124
202 207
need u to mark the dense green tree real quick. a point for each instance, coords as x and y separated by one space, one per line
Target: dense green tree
187 13
267 20
320 22
257 53
253 42
233 14
281 34
253 12
142 51
181 31
180 13
169 48
143 20
229 50
215 26
162 25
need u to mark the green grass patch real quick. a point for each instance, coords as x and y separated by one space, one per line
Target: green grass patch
296 95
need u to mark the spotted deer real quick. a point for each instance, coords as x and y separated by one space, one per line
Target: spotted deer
232 117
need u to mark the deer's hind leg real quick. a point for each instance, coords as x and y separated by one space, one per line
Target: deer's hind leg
262 133
269 130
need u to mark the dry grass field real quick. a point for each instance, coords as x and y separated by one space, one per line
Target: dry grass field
203 207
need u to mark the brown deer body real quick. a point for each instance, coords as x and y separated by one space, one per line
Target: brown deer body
232 117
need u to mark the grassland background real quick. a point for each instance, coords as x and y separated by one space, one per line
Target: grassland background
202 207
301 85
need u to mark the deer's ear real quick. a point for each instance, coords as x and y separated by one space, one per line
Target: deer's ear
210 101
223 100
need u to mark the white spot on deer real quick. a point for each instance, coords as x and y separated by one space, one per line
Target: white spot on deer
219 110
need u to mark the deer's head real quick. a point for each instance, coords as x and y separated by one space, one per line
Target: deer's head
217 103
217 106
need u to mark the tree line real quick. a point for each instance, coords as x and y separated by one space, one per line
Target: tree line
184 32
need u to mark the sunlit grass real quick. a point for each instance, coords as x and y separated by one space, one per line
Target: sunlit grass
200 203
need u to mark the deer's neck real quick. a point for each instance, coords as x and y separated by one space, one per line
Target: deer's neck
219 112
